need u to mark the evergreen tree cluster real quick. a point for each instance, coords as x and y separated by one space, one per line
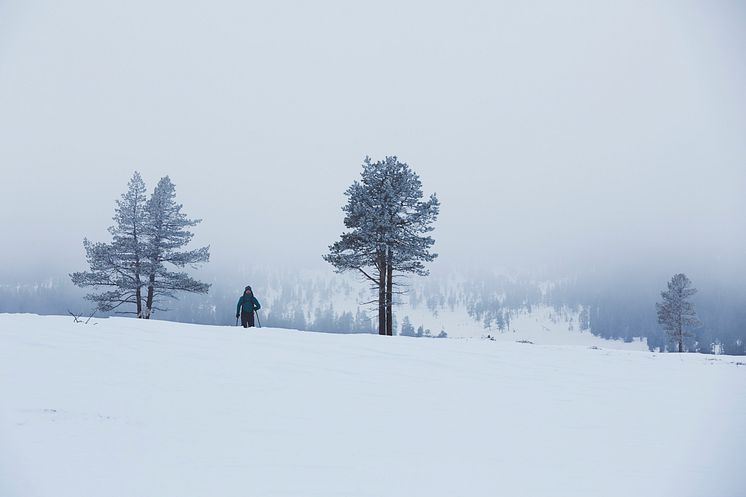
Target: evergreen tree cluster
136 267
388 223
619 311
323 319
408 330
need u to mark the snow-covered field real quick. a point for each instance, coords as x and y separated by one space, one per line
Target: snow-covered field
540 326
128 408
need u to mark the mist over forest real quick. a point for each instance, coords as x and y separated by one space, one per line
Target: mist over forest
620 308
393 248
582 154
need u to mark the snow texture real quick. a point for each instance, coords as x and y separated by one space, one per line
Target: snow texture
124 407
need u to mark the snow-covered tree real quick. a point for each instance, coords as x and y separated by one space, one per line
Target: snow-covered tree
584 318
388 224
345 322
500 320
324 319
422 332
676 313
299 319
407 329
119 266
362 322
166 234
146 235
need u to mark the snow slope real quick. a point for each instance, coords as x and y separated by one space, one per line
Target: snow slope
128 408
540 326
313 291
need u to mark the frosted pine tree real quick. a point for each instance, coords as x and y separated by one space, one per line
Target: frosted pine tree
388 224
362 322
676 313
407 329
166 234
500 320
119 266
584 319
412 218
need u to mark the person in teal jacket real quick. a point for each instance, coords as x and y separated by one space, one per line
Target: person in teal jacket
247 305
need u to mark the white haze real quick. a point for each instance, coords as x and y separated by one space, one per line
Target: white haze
556 135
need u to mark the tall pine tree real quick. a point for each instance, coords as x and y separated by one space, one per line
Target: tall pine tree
388 224
119 266
165 234
676 313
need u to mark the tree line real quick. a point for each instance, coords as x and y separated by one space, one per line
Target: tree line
388 223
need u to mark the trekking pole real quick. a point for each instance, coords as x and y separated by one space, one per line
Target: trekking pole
236 321
258 321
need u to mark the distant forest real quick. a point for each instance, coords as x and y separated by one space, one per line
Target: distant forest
322 302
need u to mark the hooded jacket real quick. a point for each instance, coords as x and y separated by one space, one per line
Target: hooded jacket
249 303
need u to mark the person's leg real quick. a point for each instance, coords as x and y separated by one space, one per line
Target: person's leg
245 319
251 319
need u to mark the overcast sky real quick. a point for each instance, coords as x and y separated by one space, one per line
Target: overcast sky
556 134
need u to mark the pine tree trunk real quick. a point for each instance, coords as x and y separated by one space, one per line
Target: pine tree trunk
149 301
389 294
681 339
138 297
138 291
381 295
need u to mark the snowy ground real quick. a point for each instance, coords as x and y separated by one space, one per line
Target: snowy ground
541 326
136 409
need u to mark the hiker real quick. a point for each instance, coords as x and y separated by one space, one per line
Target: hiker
246 307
